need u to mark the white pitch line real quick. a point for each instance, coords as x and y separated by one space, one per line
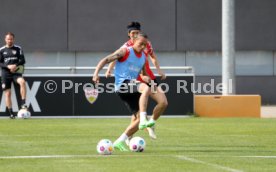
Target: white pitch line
257 156
47 156
97 117
207 163
78 156
134 155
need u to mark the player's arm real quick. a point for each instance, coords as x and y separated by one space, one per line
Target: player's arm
146 78
110 69
108 59
2 64
155 62
144 75
21 58
19 66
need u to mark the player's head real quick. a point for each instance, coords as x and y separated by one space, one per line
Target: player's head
140 42
133 28
9 39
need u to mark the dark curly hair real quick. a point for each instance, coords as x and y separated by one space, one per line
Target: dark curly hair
133 26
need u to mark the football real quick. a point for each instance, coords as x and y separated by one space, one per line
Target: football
23 113
137 144
105 147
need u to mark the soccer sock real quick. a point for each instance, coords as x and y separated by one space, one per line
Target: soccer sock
122 138
10 111
152 120
23 101
143 116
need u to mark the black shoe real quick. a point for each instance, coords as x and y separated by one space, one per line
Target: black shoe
24 106
12 116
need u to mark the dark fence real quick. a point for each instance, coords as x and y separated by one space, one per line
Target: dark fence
65 96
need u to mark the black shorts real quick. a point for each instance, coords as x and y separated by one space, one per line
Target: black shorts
130 95
8 79
156 82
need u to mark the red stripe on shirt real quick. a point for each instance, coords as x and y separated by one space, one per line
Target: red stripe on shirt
148 51
125 56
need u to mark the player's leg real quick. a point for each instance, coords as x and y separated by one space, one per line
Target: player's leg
136 100
22 83
144 89
133 127
9 103
8 98
6 87
160 98
134 119
131 100
130 130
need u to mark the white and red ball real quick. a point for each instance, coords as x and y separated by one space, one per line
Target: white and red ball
137 144
105 147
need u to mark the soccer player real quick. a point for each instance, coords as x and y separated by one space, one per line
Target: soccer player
11 58
130 61
159 97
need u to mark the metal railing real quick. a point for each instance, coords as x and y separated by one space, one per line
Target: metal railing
72 69
93 68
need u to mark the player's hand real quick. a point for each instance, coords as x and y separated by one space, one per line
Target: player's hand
146 79
162 75
108 74
96 79
12 68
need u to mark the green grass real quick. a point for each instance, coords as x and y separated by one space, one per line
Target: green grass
183 144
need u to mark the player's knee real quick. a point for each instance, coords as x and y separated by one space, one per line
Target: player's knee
134 116
147 90
144 89
21 82
164 103
8 93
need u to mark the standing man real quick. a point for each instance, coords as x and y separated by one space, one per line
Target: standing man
11 61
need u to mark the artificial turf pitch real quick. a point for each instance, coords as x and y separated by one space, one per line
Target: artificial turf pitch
183 144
